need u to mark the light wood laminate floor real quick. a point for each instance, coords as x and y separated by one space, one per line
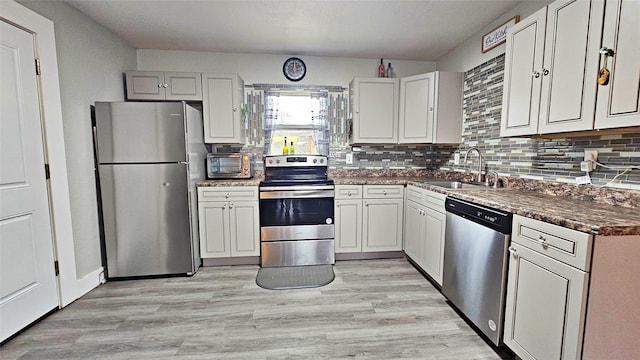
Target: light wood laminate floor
374 309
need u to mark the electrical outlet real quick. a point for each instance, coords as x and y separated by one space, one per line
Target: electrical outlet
349 158
591 154
456 159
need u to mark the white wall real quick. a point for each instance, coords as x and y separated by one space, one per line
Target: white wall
90 63
469 54
267 69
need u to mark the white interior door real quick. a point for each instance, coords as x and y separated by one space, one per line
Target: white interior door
27 278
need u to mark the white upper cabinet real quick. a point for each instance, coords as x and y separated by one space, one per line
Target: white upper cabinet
618 101
159 85
374 110
222 108
431 108
551 69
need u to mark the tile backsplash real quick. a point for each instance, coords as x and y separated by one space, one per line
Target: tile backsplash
555 160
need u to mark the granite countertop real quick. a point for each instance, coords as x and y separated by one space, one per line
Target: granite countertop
580 215
254 181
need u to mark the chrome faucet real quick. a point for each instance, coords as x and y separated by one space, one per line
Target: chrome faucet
479 161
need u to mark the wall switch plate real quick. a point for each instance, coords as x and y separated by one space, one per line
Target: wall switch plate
349 158
456 159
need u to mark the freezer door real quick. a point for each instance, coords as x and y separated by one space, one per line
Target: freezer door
140 132
146 219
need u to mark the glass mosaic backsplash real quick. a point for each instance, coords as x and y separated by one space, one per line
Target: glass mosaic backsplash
538 159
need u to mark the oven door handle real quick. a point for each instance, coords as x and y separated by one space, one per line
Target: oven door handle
297 194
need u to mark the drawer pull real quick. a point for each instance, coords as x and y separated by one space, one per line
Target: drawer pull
514 252
226 196
349 193
231 206
544 242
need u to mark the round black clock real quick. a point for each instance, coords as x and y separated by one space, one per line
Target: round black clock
294 69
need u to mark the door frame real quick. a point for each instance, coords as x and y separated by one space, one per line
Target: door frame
70 287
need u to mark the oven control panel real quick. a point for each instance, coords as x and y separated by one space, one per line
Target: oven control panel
295 160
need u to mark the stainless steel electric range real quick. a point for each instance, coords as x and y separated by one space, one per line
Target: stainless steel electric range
296 212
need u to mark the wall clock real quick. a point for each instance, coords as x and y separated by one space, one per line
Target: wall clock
294 69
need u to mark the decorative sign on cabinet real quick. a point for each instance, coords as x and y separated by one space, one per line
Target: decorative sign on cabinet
222 108
552 64
158 85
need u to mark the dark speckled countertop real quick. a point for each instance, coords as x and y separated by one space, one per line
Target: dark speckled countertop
580 215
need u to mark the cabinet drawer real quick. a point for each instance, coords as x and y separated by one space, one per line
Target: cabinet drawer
426 198
568 246
434 200
231 193
415 193
348 191
383 191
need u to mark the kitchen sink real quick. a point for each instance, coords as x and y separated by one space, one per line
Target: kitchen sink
459 185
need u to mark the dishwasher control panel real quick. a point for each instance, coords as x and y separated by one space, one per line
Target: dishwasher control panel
493 218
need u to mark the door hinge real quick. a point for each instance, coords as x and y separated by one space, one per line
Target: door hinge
37 66
47 173
56 267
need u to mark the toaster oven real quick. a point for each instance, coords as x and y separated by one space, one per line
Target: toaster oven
230 166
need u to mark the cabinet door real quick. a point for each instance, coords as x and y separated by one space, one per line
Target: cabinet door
183 86
375 110
348 226
433 254
145 85
416 109
215 233
523 63
544 315
221 102
382 225
570 68
244 221
618 102
414 232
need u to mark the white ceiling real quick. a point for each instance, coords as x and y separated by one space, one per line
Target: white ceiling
395 29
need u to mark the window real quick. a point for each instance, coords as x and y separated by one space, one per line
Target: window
298 116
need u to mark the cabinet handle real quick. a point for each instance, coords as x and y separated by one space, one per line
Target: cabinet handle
224 206
349 193
160 85
366 204
231 206
226 196
536 74
545 72
235 109
514 252
384 192
544 242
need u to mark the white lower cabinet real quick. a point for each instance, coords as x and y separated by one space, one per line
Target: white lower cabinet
368 218
546 295
229 221
425 220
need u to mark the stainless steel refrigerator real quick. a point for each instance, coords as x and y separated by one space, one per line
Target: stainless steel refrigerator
149 156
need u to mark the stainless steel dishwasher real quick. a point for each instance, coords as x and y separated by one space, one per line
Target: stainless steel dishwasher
475 264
